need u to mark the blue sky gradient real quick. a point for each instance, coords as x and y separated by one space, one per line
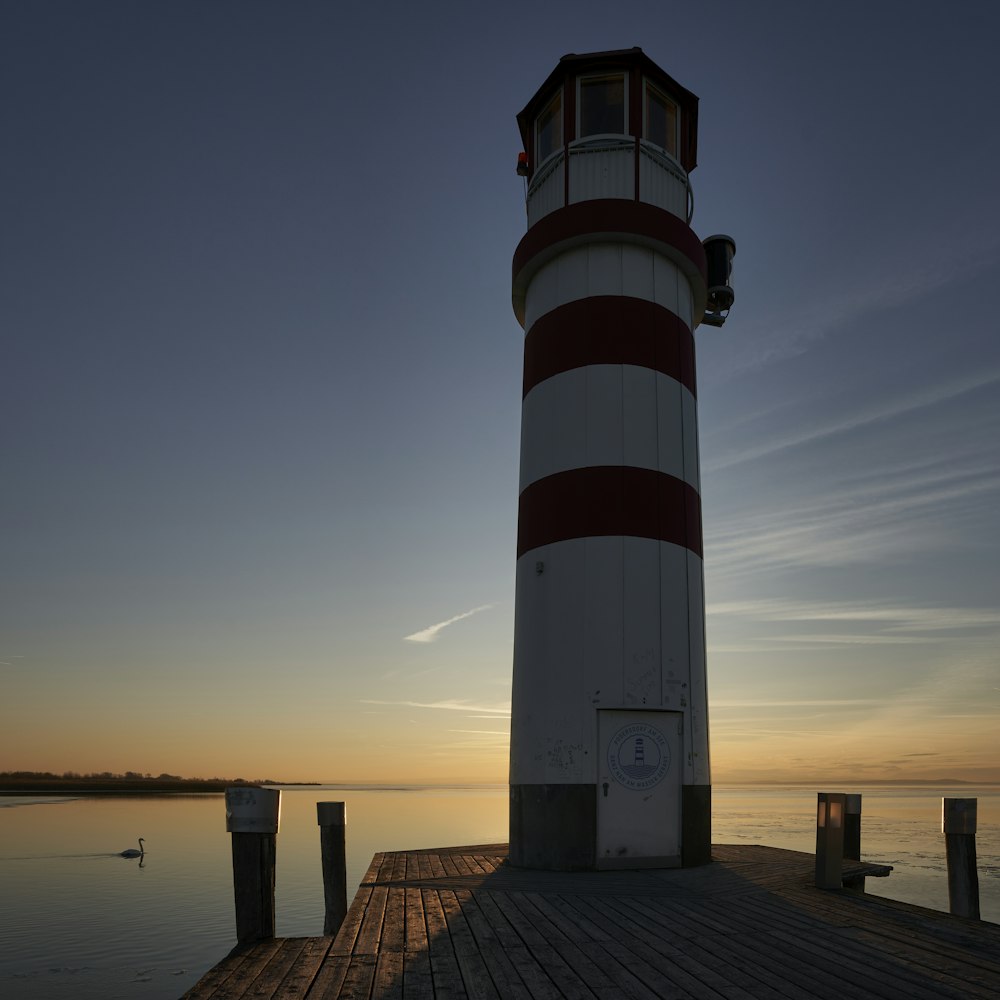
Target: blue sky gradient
260 416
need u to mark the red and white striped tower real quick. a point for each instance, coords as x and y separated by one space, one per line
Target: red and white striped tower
609 728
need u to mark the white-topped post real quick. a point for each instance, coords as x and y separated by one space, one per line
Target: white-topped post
252 817
332 820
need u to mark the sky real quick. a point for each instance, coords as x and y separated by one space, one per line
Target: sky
259 423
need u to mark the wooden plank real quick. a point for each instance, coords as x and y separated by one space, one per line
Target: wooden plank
855 965
753 954
304 970
475 865
399 865
756 954
508 983
415 864
687 920
371 874
888 973
634 962
696 951
711 958
423 866
418 982
527 967
239 964
330 978
571 923
540 944
343 943
237 986
942 955
475 972
463 866
447 862
651 970
415 926
388 982
371 926
384 873
572 940
267 984
357 983
394 921
444 964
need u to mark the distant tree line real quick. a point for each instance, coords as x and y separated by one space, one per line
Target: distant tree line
110 780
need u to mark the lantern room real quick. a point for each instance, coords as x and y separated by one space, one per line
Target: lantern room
609 125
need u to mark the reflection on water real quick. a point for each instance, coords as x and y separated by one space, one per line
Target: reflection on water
78 920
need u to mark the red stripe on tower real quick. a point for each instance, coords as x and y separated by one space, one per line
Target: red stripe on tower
609 330
609 500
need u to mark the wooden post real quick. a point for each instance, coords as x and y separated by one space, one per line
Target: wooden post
829 840
332 819
252 816
958 823
852 838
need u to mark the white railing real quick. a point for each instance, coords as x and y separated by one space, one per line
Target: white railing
604 167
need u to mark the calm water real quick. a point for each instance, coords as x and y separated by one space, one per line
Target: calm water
77 921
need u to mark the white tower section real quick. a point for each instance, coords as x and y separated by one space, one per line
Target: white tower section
609 731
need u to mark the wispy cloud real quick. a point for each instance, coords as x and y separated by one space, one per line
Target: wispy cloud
776 337
858 522
430 633
814 626
449 705
895 617
876 413
792 702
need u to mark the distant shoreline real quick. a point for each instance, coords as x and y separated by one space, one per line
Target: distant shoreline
130 786
37 785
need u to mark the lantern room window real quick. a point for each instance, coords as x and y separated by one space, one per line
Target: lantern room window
548 129
601 105
660 119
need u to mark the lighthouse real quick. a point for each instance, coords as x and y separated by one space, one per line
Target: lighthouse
609 763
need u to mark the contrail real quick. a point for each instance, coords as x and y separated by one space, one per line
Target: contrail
430 633
451 704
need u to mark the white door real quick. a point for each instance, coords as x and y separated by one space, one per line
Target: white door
639 789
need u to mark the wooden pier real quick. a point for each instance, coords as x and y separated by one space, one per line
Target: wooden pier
459 922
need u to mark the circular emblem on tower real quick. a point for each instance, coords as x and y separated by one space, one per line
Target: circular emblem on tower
638 756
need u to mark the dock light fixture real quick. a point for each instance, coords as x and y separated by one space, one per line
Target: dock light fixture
830 810
719 254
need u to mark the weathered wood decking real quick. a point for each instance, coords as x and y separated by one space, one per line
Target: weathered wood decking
458 922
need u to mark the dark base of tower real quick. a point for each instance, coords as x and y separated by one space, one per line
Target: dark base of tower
554 828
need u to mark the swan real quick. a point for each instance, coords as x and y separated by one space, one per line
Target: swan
132 852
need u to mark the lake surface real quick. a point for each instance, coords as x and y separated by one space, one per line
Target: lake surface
77 921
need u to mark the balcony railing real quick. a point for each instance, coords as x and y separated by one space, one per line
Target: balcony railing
604 167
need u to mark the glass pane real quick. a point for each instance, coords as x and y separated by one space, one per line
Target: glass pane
661 120
602 105
548 129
